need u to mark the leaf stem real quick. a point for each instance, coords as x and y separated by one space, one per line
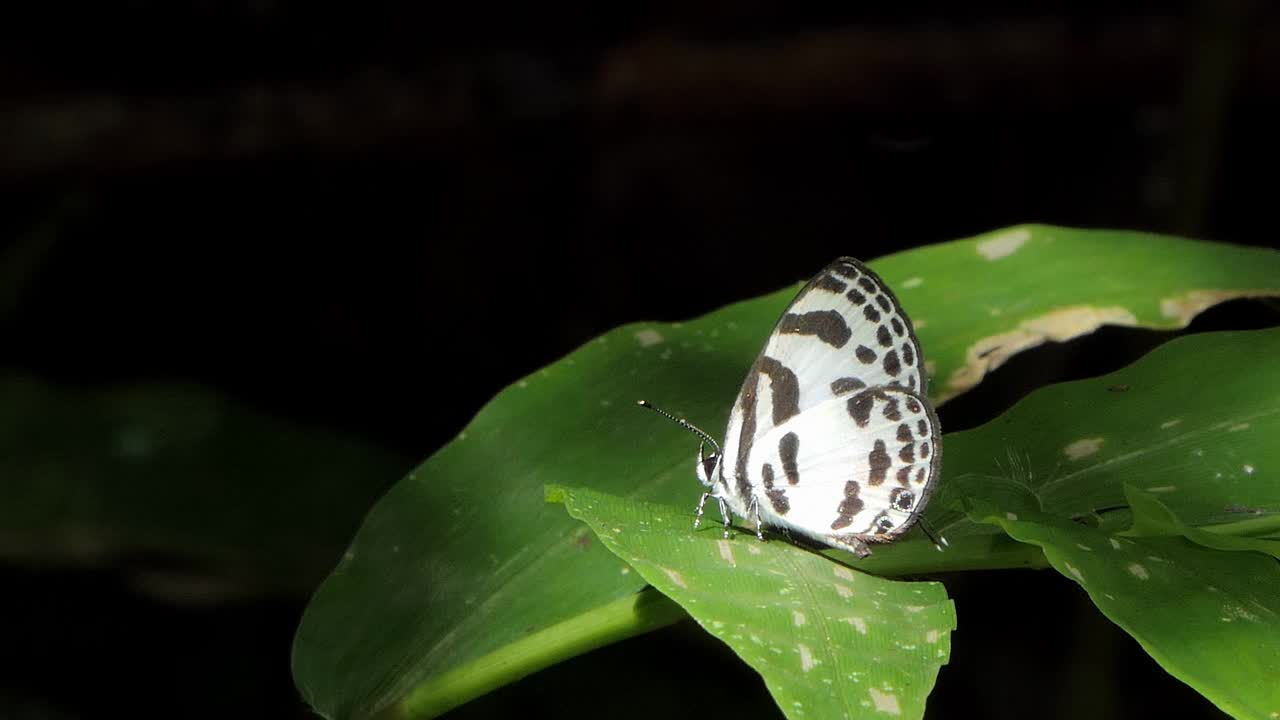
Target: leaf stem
621 619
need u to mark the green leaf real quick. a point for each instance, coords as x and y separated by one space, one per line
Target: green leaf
1153 518
1203 447
977 302
1180 455
462 557
829 641
231 500
1212 619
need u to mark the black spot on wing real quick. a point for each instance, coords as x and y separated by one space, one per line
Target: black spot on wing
922 427
777 497
904 475
908 354
850 506
898 328
902 498
788 450
907 454
904 433
913 405
880 463
867 284
870 313
856 297
827 325
859 407
784 389
884 303
891 410
881 524
844 268
883 336
891 364
924 451
844 385
830 283
865 355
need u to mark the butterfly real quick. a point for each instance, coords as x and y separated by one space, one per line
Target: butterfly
832 436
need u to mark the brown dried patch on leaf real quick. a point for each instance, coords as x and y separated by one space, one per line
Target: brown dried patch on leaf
1066 323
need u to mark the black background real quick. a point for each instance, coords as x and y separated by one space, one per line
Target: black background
305 208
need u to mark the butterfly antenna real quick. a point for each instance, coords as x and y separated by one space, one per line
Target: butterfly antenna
938 541
682 423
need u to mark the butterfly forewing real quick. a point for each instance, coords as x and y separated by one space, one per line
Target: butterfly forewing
853 468
844 332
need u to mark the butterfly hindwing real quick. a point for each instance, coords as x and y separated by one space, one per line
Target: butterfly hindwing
851 470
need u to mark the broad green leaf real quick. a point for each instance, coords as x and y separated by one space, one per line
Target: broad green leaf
830 641
462 557
1203 447
1179 454
229 499
1211 618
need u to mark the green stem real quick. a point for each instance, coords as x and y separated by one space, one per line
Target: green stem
633 615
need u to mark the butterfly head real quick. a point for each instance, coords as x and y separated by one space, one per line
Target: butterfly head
708 468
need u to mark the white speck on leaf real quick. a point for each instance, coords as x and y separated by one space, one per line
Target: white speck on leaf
726 552
1084 547
1011 516
858 624
753 549
1138 571
806 658
843 572
885 702
1185 307
1169 423
1004 244
1163 489
1115 543
1075 572
648 337
932 636
797 617
1238 428
1083 448
1248 469
675 577
844 590
912 282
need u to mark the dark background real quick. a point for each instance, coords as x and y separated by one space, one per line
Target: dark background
303 209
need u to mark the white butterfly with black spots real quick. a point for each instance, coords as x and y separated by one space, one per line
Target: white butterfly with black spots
832 436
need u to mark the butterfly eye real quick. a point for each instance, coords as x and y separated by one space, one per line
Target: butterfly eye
709 465
902 499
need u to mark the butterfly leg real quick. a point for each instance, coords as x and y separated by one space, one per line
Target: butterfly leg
702 501
754 509
724 515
